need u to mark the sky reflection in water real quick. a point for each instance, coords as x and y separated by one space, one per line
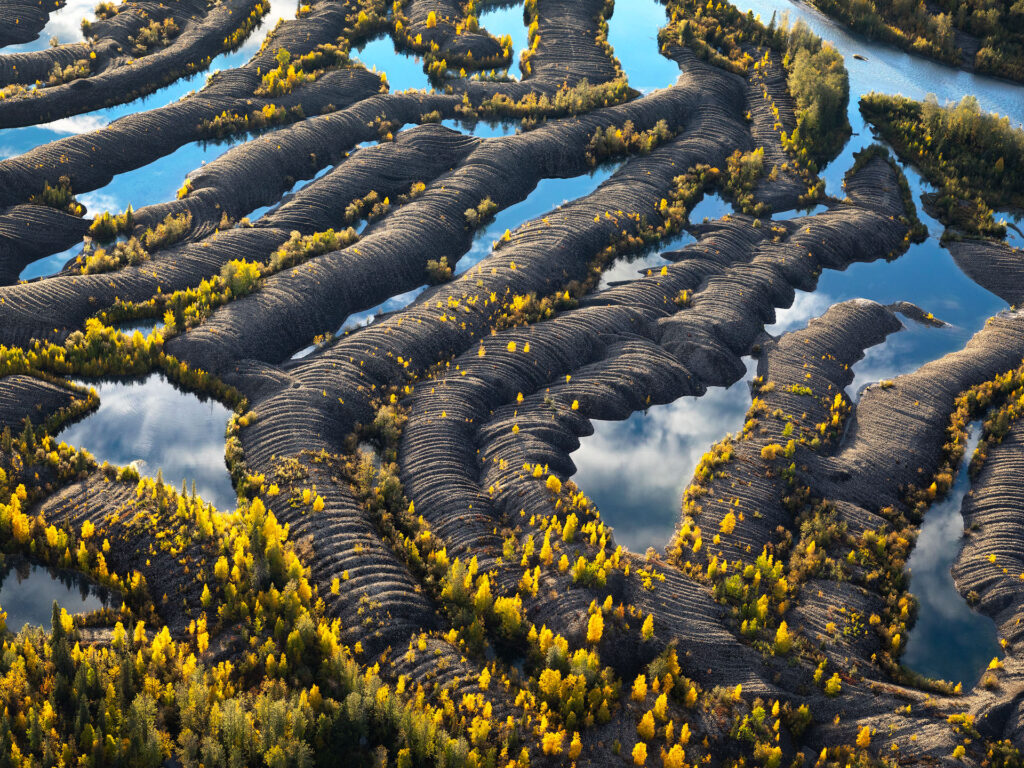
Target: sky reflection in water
157 181
949 641
636 470
27 593
925 275
166 428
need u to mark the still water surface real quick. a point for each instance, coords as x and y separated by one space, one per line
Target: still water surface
161 429
949 641
636 469
926 275
28 591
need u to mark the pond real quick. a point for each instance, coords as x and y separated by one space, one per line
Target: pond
507 20
633 33
949 640
404 72
636 470
157 427
28 591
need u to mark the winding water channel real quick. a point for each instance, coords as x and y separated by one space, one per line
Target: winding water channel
949 641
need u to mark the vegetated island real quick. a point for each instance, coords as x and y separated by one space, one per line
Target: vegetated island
975 160
409 578
983 36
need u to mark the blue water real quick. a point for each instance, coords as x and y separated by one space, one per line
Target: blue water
712 206
949 640
482 128
633 33
64 23
926 275
507 20
28 591
159 428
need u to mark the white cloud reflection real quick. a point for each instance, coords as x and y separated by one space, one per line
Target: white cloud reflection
65 24
97 202
165 428
805 307
636 470
77 124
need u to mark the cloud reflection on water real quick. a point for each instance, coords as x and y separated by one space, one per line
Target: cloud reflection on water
950 641
168 429
27 593
636 470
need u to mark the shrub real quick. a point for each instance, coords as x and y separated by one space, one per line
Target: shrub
300 248
107 227
438 271
647 628
242 277
60 197
167 232
611 141
482 214
646 727
308 68
105 10
744 170
74 71
128 252
640 753
157 34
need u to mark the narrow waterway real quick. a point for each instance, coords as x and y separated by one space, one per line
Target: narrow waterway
926 275
546 196
157 181
949 641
